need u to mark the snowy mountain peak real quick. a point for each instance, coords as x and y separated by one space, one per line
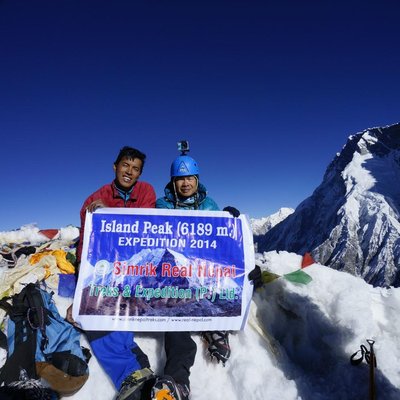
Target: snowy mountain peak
263 225
352 220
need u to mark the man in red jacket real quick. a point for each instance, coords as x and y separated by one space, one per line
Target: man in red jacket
124 191
118 354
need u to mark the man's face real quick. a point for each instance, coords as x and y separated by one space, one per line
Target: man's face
186 186
127 171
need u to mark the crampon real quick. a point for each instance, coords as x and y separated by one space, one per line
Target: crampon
165 388
218 345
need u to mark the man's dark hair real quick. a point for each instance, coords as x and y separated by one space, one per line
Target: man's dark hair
130 153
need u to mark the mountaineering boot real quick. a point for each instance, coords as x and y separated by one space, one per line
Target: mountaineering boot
218 345
135 384
166 388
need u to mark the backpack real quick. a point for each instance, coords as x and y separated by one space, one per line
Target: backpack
41 344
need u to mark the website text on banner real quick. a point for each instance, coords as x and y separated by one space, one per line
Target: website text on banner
164 270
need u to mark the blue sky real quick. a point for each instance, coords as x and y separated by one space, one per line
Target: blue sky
265 92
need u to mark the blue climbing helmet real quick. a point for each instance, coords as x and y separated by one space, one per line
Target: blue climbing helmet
184 165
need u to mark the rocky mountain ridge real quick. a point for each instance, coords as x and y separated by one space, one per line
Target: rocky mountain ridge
352 220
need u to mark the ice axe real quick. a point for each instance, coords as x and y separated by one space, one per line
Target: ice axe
370 359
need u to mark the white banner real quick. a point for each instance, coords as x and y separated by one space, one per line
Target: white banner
164 270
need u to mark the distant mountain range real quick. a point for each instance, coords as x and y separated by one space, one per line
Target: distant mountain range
352 220
263 225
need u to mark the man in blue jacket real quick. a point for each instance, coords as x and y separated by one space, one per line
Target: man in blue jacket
185 192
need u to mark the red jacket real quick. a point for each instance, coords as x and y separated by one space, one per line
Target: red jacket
142 196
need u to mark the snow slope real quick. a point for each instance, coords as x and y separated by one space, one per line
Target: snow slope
296 345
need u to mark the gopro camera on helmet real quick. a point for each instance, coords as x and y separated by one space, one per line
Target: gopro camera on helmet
184 165
183 146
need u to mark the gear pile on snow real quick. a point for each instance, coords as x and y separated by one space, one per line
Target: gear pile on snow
41 346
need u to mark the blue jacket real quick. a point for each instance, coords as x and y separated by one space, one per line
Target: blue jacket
200 201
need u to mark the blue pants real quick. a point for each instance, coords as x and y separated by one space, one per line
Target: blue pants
117 353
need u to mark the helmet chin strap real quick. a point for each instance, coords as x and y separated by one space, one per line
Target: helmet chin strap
175 192
197 183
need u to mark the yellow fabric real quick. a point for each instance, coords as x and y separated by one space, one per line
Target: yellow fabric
61 258
44 265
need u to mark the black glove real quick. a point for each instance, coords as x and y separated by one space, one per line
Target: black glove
232 210
255 276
